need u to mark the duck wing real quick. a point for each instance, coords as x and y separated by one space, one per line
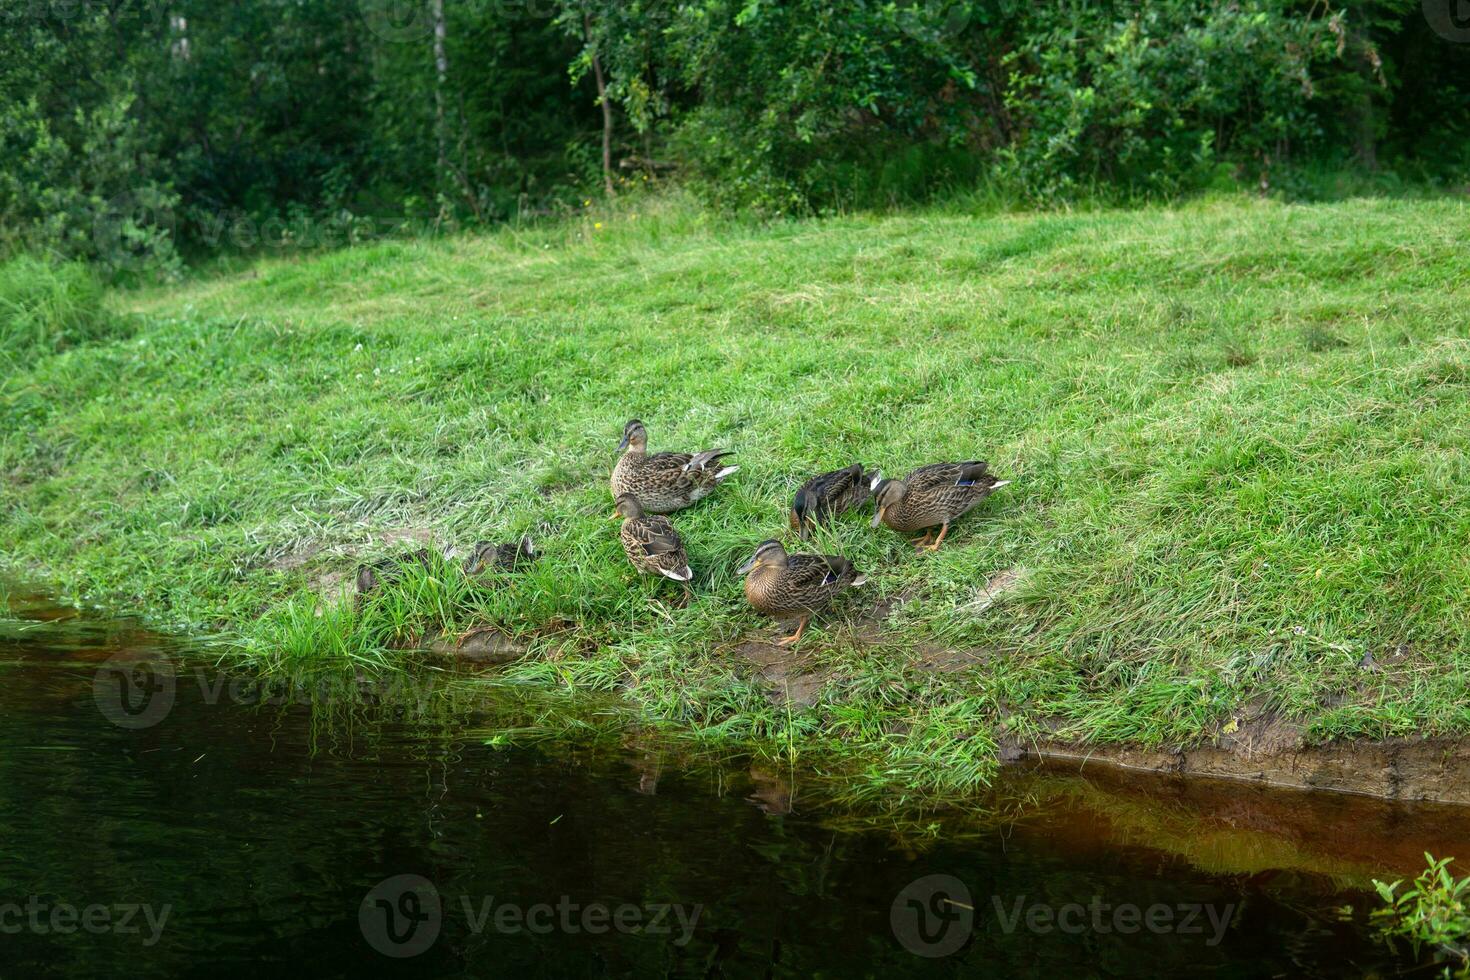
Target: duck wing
813 573
657 536
935 475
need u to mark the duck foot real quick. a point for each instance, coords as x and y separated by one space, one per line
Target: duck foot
787 641
938 541
923 542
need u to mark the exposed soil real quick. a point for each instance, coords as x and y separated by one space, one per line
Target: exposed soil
1268 750
487 645
1002 582
787 675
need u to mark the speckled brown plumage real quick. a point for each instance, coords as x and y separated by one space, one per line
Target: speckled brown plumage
783 586
388 571
488 556
933 496
650 541
825 496
665 482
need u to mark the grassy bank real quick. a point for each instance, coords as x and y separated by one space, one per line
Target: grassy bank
1236 429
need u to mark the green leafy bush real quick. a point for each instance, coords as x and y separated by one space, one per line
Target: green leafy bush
132 136
1154 98
1431 915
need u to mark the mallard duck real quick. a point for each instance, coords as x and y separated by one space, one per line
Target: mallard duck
386 571
503 557
650 541
783 586
665 482
933 496
825 496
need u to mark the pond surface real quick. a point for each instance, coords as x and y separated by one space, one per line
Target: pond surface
161 820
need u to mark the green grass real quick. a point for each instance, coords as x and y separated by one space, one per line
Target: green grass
46 306
1237 430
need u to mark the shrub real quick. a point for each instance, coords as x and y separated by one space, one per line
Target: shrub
1431 914
1155 97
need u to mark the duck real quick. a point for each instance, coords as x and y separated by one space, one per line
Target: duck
650 541
387 571
828 494
487 555
782 585
933 496
665 482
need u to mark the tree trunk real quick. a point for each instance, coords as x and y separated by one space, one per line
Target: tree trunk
607 113
441 67
1365 136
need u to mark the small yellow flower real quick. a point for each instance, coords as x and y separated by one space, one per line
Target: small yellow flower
597 224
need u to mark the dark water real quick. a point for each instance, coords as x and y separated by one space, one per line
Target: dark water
217 834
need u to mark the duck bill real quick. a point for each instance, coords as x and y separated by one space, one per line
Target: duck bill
878 515
616 516
746 568
624 444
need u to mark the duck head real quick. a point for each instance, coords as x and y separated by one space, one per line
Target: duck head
768 554
626 507
635 436
803 511
886 494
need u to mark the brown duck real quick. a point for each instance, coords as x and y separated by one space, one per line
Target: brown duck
825 496
488 556
388 571
784 586
665 482
933 496
650 541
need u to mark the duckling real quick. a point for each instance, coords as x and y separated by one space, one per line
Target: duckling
651 543
829 494
502 557
665 482
387 571
931 496
782 585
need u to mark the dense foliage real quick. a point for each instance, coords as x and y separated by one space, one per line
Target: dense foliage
132 131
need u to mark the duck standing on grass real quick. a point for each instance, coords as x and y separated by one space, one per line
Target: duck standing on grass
783 586
650 541
829 494
933 496
665 482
